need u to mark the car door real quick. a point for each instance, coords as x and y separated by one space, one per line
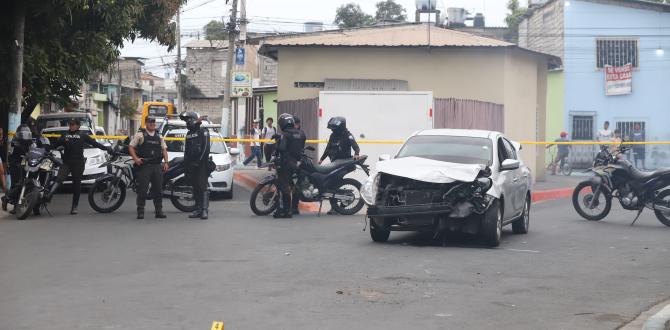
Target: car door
518 193
506 181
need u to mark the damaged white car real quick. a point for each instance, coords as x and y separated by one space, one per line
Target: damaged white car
443 180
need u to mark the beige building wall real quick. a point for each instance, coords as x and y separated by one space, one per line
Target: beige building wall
511 77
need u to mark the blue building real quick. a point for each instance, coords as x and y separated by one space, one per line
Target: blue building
589 36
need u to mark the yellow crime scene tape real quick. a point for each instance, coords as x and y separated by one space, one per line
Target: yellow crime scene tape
239 140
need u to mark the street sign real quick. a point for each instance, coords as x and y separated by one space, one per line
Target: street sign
241 84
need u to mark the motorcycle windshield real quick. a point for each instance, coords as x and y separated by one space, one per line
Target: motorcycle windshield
35 155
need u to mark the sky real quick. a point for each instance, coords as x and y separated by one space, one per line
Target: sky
284 15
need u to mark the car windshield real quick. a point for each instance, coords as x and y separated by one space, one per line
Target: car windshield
216 147
454 149
64 130
43 122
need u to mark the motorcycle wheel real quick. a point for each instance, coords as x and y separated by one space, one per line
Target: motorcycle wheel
184 204
106 197
264 198
582 198
26 205
663 199
352 188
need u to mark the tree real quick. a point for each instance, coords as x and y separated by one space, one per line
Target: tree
67 40
513 19
351 16
216 30
128 107
389 10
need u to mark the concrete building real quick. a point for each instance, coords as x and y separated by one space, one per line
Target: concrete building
590 35
452 65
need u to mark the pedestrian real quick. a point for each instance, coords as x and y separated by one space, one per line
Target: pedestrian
20 144
3 160
255 146
197 162
73 141
563 152
268 132
639 150
616 141
290 149
148 150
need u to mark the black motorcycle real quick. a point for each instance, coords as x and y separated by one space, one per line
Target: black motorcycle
315 183
616 177
109 192
40 167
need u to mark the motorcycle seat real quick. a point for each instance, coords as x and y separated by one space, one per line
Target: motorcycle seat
644 175
176 160
334 165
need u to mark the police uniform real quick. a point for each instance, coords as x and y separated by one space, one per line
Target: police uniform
74 161
149 147
196 159
290 149
340 145
18 148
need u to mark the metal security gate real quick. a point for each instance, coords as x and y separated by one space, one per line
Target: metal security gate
307 110
469 114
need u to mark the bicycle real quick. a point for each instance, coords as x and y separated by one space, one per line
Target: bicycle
565 169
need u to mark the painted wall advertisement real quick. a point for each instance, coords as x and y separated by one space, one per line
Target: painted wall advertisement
619 80
241 84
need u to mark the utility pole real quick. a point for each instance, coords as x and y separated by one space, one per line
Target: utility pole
17 69
180 102
227 100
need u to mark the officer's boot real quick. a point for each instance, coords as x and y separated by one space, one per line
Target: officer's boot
75 203
158 206
198 206
140 213
5 200
204 214
52 191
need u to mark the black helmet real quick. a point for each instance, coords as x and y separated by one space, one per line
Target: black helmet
191 119
286 121
337 123
24 134
296 119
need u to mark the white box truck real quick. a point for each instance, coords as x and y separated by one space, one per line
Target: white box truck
376 116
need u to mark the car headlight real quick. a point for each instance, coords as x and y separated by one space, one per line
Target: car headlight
95 160
370 188
221 168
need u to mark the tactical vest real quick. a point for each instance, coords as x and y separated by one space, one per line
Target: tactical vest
151 149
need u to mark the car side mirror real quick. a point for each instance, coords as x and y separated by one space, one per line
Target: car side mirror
384 157
510 164
234 151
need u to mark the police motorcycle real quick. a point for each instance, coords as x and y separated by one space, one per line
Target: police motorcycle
40 168
314 183
109 192
616 177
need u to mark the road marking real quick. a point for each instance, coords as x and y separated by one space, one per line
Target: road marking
517 250
217 325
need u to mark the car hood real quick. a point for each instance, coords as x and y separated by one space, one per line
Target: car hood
428 170
88 153
219 159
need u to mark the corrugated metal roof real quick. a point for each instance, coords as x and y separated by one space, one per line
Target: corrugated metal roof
403 35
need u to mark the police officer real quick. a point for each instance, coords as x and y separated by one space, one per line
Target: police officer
341 141
73 141
18 148
148 149
290 148
295 198
196 159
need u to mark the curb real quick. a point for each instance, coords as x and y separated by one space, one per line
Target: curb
659 321
249 182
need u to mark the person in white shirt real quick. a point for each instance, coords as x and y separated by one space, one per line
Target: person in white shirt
605 134
255 146
268 132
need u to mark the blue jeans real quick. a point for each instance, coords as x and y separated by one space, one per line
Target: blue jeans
255 152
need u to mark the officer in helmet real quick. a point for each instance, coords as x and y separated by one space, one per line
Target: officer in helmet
18 148
341 141
196 159
289 148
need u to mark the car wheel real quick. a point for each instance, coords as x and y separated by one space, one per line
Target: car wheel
491 229
378 233
521 225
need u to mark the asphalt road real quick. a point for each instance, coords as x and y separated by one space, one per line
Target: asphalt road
95 271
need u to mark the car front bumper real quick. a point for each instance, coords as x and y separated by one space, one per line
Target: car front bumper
221 181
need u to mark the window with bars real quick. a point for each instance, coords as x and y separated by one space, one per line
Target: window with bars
627 128
582 128
616 52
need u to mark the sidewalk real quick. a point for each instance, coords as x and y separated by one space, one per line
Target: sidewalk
554 187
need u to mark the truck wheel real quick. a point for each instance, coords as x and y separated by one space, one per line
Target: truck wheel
378 233
491 229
